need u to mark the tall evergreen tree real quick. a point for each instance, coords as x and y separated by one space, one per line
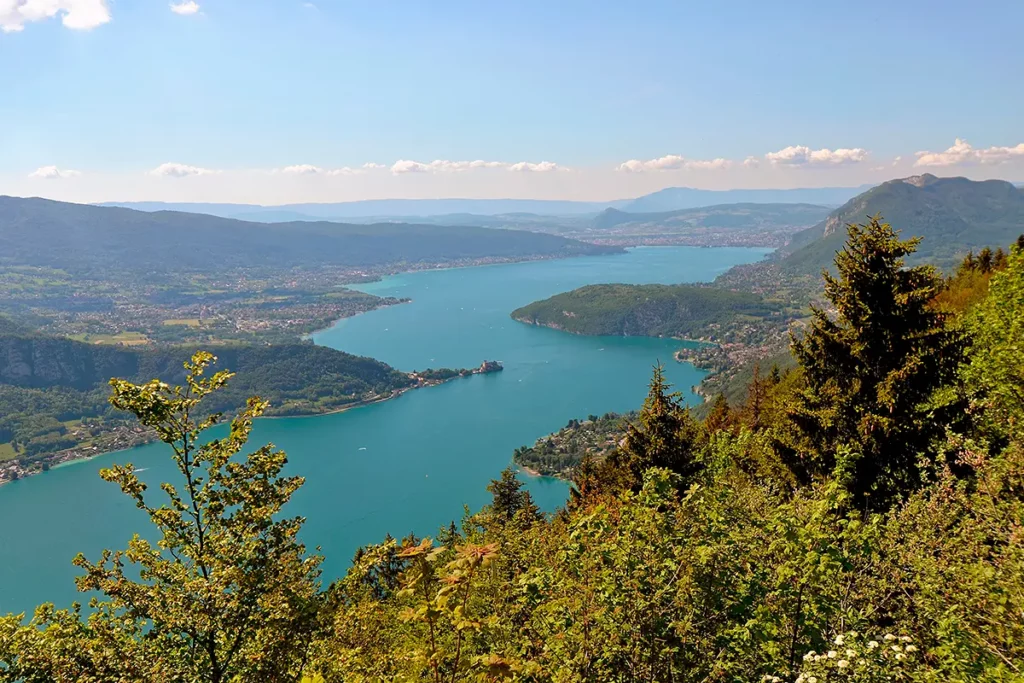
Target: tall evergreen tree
664 434
508 497
871 367
720 416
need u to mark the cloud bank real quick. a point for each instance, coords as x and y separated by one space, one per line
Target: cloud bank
403 166
963 153
801 155
673 162
175 170
80 15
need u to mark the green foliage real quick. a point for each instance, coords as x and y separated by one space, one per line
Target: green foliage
995 372
872 369
686 311
226 593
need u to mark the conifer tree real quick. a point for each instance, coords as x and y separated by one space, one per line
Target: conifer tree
871 366
985 260
719 417
508 497
999 260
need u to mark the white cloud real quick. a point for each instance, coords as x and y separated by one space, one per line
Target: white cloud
310 169
75 14
542 167
53 173
185 7
444 166
752 162
896 161
303 169
963 153
673 162
174 170
801 155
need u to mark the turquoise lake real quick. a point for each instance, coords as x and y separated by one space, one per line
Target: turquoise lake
406 465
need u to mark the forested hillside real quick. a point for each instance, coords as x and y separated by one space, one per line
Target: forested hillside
91 239
53 392
647 310
857 519
953 215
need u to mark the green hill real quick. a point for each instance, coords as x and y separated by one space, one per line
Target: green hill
80 238
48 386
953 215
687 311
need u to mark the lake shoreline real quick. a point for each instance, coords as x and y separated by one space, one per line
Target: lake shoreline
65 458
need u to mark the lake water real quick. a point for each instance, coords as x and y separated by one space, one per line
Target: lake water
406 465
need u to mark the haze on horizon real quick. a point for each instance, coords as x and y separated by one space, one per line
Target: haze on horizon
286 102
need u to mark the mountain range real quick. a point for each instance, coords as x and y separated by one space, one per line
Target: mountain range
77 237
719 216
669 199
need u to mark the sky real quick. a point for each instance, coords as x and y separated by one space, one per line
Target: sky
280 101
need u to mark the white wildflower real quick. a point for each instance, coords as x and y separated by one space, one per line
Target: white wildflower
812 679
839 639
809 656
900 657
851 653
896 648
911 648
872 644
832 654
842 664
905 639
889 636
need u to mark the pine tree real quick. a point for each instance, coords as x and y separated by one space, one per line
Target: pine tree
871 368
508 498
985 260
719 417
999 260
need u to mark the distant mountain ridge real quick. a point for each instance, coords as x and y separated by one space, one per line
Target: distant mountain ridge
719 216
376 208
668 199
41 232
674 198
952 215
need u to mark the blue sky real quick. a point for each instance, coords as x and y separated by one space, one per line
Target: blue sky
286 100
